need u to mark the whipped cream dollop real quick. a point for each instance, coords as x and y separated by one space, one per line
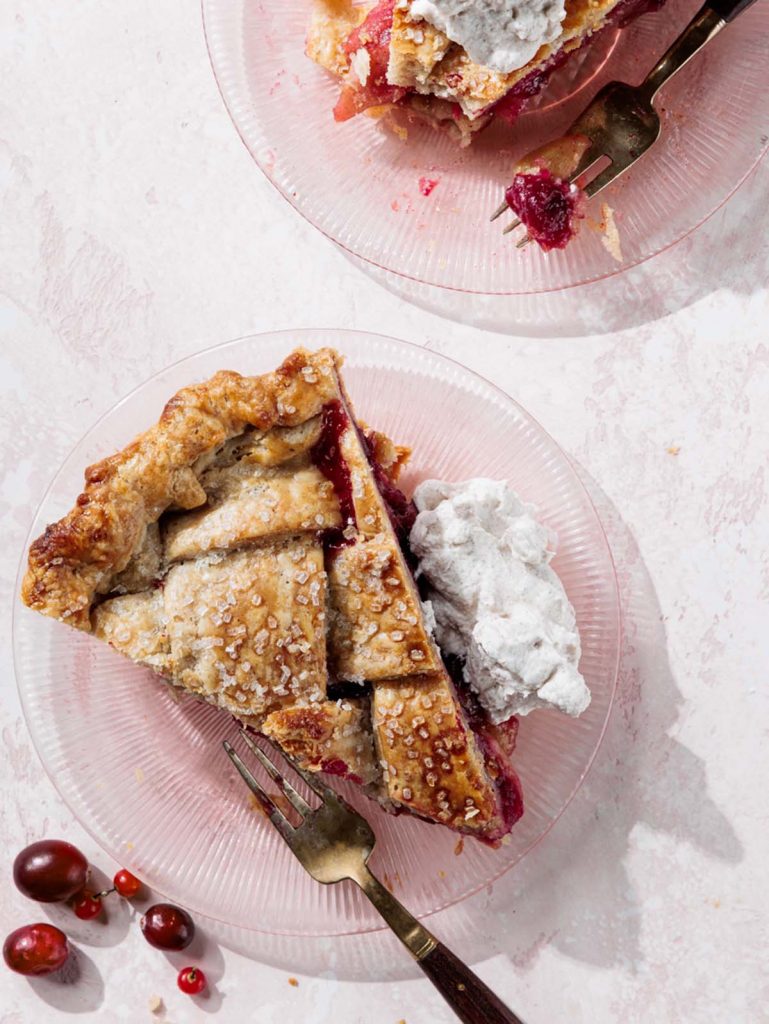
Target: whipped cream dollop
497 602
499 34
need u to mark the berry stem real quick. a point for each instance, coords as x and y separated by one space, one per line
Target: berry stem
103 893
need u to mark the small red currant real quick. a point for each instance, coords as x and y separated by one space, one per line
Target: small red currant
191 980
87 905
126 884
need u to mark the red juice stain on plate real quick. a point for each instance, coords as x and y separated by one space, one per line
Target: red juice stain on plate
426 185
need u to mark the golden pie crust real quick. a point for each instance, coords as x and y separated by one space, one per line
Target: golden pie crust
199 552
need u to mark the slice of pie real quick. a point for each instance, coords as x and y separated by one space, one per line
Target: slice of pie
251 548
389 59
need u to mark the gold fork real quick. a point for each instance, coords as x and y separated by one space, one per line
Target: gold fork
621 123
333 843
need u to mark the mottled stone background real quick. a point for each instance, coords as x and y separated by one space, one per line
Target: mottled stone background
134 230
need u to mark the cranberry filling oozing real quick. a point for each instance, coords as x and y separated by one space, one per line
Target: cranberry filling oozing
401 510
512 103
327 456
373 36
548 207
497 743
509 107
336 766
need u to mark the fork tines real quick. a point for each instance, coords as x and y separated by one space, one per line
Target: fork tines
511 226
297 801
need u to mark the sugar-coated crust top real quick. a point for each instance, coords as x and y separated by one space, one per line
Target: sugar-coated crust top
76 558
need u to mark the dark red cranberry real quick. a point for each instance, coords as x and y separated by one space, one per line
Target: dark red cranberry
36 949
168 927
50 871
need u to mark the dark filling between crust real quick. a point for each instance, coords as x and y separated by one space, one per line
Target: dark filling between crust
327 456
496 742
401 510
336 766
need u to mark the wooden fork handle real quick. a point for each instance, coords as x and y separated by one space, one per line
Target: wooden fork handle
729 9
471 1000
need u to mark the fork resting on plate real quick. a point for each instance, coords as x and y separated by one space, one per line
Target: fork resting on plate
333 843
621 122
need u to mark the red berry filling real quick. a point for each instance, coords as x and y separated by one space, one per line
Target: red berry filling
548 207
374 37
327 456
336 766
497 743
513 102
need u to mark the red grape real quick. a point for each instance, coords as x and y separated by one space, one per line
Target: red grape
86 905
168 927
36 949
191 980
126 884
50 871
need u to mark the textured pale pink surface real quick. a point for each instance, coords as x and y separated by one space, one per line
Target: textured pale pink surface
135 231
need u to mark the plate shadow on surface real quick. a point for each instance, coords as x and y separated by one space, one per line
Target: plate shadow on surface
729 251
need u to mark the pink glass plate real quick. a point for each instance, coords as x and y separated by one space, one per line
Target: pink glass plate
359 183
143 770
